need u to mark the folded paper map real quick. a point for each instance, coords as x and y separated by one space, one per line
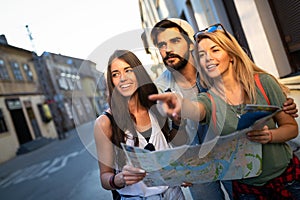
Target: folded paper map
232 157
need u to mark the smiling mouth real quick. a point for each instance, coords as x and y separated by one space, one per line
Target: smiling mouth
210 67
125 86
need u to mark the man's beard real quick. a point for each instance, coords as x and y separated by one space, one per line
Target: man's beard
179 65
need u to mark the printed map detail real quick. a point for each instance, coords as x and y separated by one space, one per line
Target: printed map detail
225 158
233 157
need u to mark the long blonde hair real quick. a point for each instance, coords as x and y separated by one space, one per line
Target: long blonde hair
242 64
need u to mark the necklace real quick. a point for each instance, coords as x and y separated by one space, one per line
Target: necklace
238 109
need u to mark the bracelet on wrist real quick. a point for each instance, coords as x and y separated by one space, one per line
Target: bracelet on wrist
112 183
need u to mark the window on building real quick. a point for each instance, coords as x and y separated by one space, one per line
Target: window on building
3 71
3 127
63 83
70 83
17 71
28 72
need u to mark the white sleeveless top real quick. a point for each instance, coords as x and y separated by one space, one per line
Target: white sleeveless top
159 141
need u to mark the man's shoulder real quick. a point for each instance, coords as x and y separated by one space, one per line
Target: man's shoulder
164 77
164 80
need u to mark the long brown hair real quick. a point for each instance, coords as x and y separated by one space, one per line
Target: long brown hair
119 104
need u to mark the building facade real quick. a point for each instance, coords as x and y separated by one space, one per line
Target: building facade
70 85
24 112
44 97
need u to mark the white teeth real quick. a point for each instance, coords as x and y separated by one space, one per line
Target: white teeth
125 86
210 66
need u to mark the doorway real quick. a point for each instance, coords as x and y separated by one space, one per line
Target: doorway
19 121
20 125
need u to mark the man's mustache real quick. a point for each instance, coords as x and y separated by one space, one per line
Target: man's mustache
171 56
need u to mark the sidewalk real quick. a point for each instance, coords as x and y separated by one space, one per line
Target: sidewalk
36 155
40 142
33 145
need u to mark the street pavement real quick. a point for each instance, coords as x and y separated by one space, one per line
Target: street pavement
63 169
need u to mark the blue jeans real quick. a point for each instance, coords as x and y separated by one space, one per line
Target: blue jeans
293 187
211 190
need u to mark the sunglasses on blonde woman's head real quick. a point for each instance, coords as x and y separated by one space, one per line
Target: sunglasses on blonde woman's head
210 29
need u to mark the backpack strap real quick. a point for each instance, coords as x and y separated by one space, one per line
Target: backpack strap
109 116
261 88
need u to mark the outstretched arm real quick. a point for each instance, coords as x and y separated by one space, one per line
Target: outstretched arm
177 107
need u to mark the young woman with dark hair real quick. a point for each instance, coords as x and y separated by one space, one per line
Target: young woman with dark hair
134 120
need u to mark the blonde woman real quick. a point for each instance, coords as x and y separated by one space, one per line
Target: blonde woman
228 73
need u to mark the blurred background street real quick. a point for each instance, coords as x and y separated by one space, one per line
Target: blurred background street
53 57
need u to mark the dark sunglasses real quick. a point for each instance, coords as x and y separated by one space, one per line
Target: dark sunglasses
210 29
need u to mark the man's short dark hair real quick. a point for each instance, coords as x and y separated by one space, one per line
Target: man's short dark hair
165 24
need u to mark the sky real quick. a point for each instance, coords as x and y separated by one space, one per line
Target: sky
73 28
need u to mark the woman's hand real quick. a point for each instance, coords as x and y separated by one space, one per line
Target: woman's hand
261 136
186 184
132 174
289 107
